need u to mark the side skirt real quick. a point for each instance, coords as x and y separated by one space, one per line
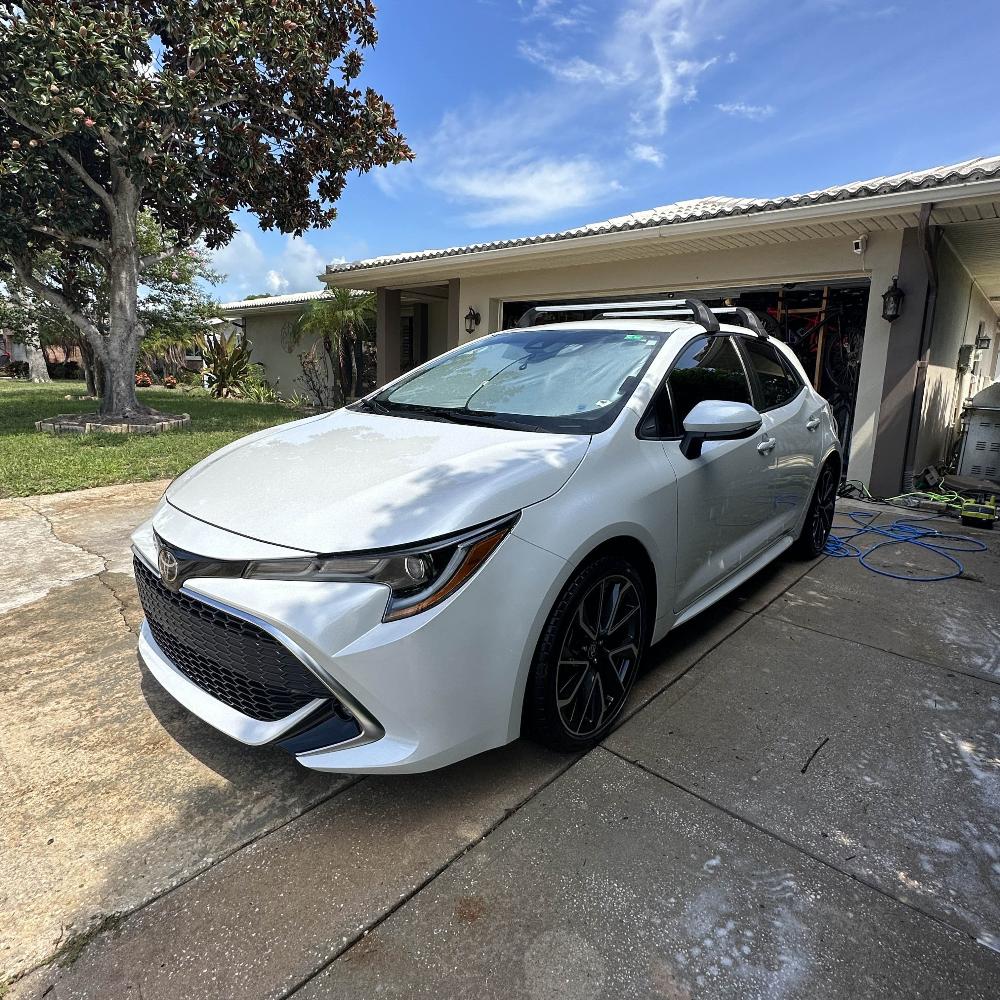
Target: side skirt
734 580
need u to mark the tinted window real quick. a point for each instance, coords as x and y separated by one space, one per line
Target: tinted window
708 368
777 384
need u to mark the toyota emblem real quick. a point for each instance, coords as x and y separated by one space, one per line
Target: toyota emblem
169 568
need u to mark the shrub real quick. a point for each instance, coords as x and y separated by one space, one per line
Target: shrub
227 363
15 369
65 369
143 380
256 387
169 382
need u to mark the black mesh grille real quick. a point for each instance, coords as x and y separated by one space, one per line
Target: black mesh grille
233 660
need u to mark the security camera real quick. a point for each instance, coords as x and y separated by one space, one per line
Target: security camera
860 245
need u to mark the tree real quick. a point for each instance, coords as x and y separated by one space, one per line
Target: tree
344 320
16 318
187 110
173 304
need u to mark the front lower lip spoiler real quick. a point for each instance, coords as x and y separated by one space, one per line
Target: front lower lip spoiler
371 729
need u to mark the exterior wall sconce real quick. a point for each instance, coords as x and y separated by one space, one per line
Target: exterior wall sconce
983 342
892 301
472 320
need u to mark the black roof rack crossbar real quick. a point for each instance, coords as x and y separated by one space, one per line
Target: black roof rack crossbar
746 317
702 313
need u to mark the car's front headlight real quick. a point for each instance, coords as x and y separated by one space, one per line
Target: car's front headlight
418 577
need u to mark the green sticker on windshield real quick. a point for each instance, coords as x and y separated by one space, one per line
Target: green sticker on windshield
635 336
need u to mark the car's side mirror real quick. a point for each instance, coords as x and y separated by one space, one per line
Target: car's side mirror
717 420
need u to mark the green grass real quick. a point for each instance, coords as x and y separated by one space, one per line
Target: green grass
32 462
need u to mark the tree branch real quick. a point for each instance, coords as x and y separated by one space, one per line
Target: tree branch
78 168
84 241
155 258
22 268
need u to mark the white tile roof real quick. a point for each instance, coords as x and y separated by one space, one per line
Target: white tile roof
698 209
270 301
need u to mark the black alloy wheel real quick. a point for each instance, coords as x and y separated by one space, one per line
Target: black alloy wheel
819 519
588 656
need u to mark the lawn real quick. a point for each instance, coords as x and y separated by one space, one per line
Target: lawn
32 462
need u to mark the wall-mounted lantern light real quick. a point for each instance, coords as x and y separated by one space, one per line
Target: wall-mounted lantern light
892 301
472 320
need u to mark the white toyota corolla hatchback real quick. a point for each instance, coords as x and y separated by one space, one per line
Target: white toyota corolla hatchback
487 546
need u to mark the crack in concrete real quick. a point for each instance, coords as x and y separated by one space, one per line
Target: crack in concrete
99 576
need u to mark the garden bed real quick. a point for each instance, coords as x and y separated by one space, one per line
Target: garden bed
94 423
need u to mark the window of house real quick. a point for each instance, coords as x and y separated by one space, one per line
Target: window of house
778 384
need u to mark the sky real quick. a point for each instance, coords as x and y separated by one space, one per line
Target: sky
530 116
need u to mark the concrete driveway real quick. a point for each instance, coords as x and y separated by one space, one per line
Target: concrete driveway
804 802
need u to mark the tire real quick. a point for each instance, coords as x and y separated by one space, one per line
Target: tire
819 518
568 705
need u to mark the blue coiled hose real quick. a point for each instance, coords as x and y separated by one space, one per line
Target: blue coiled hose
905 529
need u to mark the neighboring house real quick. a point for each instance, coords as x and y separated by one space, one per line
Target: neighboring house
827 254
10 349
266 324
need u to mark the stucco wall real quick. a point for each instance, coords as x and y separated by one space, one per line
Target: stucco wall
264 331
803 260
961 307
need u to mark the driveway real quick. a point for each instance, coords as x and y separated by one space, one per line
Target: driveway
804 802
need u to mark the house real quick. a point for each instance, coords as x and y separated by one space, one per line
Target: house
267 323
814 266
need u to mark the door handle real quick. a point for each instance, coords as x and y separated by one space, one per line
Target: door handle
766 446
812 423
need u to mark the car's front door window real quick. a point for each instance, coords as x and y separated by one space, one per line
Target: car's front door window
708 368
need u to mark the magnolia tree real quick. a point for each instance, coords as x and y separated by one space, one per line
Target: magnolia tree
185 110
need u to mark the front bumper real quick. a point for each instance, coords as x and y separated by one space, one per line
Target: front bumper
426 691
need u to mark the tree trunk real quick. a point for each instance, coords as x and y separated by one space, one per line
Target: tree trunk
121 349
90 363
37 369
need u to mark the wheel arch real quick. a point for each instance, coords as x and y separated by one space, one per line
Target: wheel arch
627 547
620 545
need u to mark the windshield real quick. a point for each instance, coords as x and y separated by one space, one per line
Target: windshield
572 381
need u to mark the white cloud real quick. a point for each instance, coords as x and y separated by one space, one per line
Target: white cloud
573 69
571 140
655 50
484 161
755 112
276 282
645 153
557 13
251 271
535 190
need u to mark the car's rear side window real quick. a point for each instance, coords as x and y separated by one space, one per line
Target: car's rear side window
777 382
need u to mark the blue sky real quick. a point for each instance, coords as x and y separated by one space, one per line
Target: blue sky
529 116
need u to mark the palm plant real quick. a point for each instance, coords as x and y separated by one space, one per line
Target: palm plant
343 319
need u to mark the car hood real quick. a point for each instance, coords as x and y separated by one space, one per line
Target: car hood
349 481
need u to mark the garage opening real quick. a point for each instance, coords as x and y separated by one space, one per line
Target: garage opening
823 323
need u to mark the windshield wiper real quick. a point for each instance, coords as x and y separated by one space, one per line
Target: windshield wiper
454 415
373 406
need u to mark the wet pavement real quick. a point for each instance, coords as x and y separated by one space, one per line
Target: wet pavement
802 802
